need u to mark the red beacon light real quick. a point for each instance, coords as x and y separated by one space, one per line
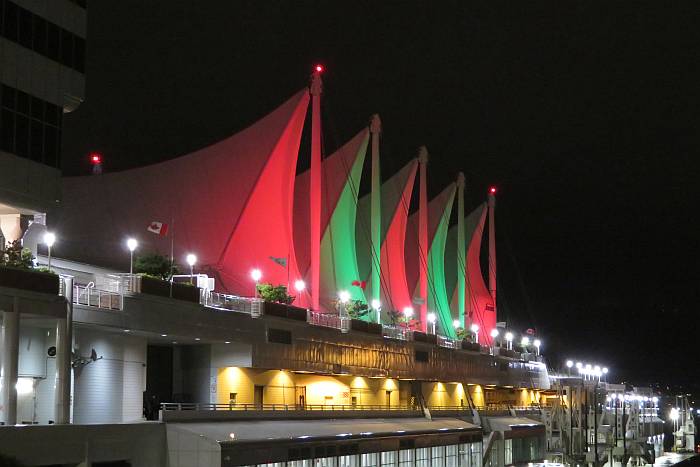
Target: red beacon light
95 158
492 190
319 68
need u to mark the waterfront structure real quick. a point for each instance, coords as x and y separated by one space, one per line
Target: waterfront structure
226 379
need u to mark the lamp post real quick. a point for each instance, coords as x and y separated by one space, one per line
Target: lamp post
509 340
131 244
49 240
537 343
569 364
475 329
524 342
377 307
191 260
299 285
431 319
256 275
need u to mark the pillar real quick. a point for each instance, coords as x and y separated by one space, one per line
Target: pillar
315 189
10 362
461 252
423 246
375 216
11 227
64 350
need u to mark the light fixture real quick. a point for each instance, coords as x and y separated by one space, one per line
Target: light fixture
525 341
494 333
191 260
474 328
569 363
24 386
408 312
605 370
256 274
197 339
344 296
376 304
431 318
227 342
509 336
456 324
132 244
163 335
299 285
579 365
49 240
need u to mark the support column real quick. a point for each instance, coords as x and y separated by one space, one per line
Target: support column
492 245
10 362
375 217
315 188
423 246
11 227
64 349
461 252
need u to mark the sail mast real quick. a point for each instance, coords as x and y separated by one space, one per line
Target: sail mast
423 236
375 219
492 245
315 188
461 251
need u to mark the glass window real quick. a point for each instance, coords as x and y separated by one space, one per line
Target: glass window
370 459
23 102
388 458
79 54
36 142
67 48
39 42
508 450
53 34
9 29
324 462
7 131
21 135
25 28
348 461
422 457
475 455
9 97
406 457
437 455
452 456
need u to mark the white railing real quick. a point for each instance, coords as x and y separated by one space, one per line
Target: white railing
328 320
448 343
223 301
396 332
88 295
176 406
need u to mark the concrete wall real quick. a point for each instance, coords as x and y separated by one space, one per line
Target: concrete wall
142 444
186 449
109 390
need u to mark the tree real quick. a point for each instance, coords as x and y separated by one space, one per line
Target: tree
155 265
278 294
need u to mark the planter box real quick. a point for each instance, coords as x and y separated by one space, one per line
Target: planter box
358 325
161 288
419 336
281 310
26 279
473 346
374 328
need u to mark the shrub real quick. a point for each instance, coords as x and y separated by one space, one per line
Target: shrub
15 256
271 293
155 266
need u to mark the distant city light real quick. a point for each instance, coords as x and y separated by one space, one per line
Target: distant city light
299 285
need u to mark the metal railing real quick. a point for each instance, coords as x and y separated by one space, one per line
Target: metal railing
176 406
227 302
396 332
88 295
328 320
449 343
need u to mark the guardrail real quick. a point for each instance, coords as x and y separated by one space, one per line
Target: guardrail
395 332
223 301
176 406
448 343
90 296
327 320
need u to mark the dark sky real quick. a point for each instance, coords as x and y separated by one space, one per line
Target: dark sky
585 114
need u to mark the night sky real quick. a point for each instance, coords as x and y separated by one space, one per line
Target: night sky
584 114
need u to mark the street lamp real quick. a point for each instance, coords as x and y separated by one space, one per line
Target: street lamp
475 329
256 275
569 363
49 240
408 312
299 285
344 296
509 340
537 343
524 342
456 324
191 260
131 244
377 307
431 319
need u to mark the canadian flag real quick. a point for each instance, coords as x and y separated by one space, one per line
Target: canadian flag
158 228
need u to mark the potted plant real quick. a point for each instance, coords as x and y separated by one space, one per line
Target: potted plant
278 302
156 272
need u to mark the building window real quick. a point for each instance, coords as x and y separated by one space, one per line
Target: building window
29 30
508 452
30 127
